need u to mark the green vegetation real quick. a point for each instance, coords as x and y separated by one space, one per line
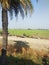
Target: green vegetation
44 33
29 33
24 61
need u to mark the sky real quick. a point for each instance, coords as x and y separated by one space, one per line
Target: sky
38 20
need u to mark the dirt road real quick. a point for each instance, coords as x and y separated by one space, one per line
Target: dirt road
33 43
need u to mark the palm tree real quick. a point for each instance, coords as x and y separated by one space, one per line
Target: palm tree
22 6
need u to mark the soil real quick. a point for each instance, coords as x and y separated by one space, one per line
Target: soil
38 44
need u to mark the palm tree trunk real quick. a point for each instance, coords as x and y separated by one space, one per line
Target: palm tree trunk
5 35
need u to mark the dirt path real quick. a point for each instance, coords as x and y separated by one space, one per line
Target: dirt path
33 43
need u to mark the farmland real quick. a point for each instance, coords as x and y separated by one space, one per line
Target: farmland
29 33
39 33
27 51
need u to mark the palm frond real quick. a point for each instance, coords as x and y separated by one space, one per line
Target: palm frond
4 4
22 6
26 4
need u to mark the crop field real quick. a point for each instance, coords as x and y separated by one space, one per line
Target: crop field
29 33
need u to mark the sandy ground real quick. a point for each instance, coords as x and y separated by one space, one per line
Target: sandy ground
33 43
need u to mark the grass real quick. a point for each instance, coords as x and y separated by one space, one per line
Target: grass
29 33
27 59
40 33
24 55
23 61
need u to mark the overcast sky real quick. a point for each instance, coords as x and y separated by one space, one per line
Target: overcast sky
38 20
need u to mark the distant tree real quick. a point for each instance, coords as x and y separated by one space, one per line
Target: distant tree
29 28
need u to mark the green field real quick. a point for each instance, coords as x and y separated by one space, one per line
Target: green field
35 32
41 33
